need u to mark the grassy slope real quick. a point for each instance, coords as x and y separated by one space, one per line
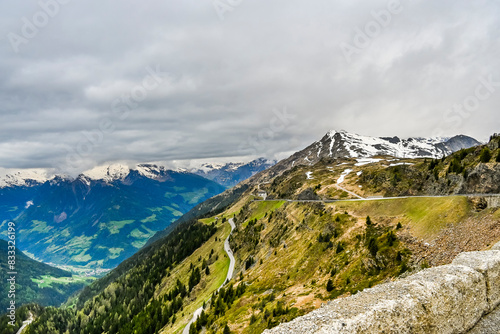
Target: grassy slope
424 216
203 291
295 267
295 270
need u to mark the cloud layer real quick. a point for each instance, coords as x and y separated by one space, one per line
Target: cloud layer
89 82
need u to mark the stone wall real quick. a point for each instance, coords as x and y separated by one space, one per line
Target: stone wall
493 201
445 299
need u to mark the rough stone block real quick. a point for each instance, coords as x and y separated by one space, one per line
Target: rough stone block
488 264
454 296
447 299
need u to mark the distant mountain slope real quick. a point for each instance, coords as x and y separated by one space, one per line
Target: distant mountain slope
28 291
231 174
103 216
135 306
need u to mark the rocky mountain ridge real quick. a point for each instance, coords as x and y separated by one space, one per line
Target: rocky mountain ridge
342 144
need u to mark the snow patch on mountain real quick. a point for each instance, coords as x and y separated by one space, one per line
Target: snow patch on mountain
343 176
25 177
365 146
366 161
400 164
149 171
108 173
209 167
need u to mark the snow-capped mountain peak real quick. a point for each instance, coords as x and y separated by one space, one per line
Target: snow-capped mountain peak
342 144
26 177
208 167
232 173
108 173
358 146
151 171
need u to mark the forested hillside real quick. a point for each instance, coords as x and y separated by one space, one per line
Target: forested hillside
128 303
32 281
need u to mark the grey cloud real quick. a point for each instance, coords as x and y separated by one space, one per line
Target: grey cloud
223 79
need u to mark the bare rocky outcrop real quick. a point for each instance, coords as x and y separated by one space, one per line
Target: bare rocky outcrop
483 179
445 299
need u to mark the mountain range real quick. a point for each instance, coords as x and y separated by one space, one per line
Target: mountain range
342 144
231 174
286 251
226 174
103 216
293 254
106 214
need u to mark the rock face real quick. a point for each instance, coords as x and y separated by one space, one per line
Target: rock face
483 179
446 299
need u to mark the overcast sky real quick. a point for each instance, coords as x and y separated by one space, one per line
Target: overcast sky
92 82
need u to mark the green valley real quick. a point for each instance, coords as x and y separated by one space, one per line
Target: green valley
91 224
37 282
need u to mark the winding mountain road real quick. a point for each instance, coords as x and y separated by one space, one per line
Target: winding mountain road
370 198
349 192
229 275
25 324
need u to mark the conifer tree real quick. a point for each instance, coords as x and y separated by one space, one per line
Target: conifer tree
329 286
485 155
